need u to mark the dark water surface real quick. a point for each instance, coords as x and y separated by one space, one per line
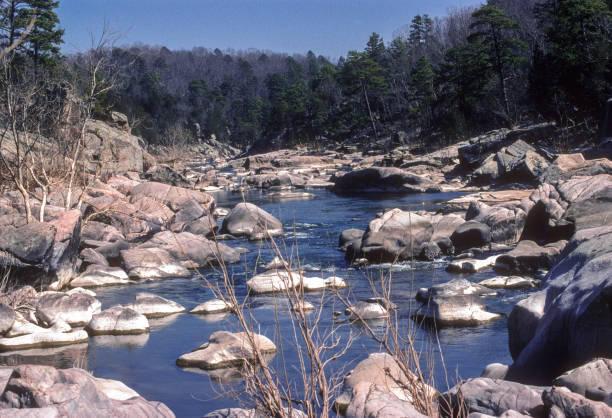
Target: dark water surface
147 363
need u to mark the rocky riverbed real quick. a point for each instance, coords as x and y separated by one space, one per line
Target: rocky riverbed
502 246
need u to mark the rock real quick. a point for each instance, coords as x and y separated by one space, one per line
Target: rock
97 275
46 338
471 265
42 252
567 166
575 326
290 195
195 219
251 413
91 256
279 181
523 322
382 370
381 179
116 149
118 320
364 310
594 375
509 282
470 234
371 401
480 147
350 238
493 397
528 257
495 371
153 306
455 303
34 389
276 264
248 220
505 221
574 405
212 306
274 281
21 326
396 235
226 349
76 308
192 251
151 263
518 162
173 197
7 318
162 173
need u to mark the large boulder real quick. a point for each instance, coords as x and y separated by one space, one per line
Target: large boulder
382 179
563 403
492 397
396 235
370 400
74 307
590 378
567 166
576 325
152 263
523 322
34 390
528 257
455 303
382 370
518 162
118 320
248 220
226 349
192 251
42 252
471 234
505 221
173 197
115 150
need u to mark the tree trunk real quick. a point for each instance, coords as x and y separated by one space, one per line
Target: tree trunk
365 93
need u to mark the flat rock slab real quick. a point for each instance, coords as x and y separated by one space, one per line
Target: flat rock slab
152 306
510 282
212 306
471 265
75 308
280 280
152 263
226 349
595 375
100 275
118 320
46 338
455 311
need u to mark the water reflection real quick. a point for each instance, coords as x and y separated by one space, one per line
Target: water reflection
64 357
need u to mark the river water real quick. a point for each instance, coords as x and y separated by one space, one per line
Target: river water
146 363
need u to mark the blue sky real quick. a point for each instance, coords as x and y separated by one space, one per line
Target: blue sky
327 27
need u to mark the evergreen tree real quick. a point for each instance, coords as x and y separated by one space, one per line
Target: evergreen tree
577 61
495 33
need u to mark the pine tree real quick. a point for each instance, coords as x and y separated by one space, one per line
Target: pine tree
495 32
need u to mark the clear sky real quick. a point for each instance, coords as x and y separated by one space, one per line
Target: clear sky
327 27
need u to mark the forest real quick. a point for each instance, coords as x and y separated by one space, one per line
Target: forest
440 79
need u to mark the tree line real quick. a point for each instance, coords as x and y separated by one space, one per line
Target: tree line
505 63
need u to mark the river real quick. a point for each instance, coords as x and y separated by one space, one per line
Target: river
146 363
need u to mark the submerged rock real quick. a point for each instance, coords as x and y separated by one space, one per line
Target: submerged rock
226 349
